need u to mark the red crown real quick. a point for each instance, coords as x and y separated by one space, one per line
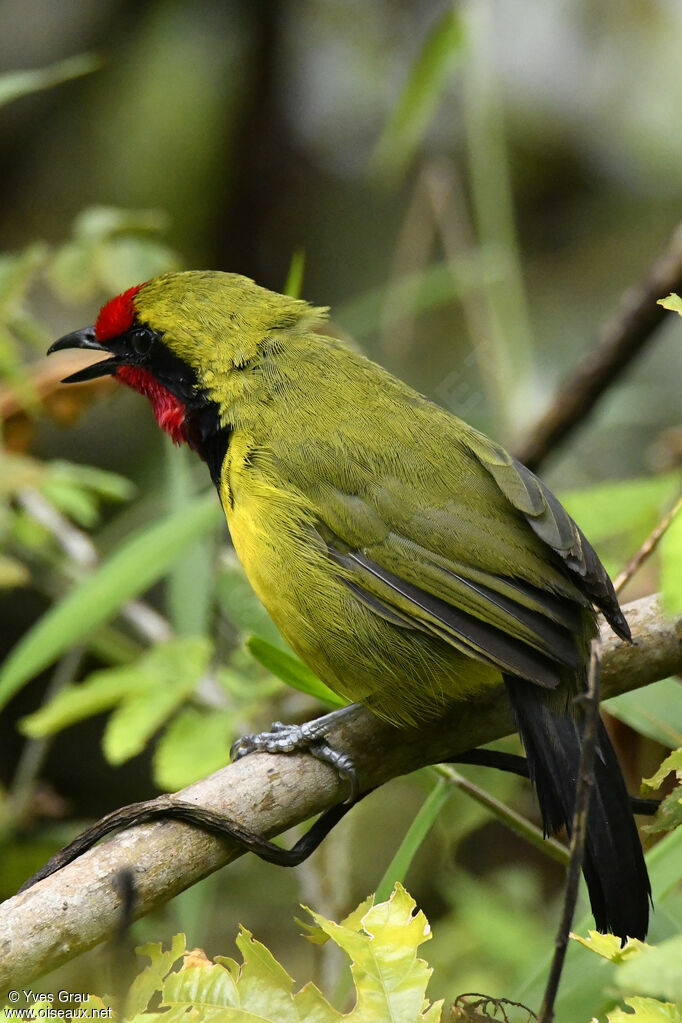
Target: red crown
116 317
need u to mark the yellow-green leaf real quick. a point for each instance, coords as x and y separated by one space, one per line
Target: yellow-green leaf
646 1010
134 567
672 302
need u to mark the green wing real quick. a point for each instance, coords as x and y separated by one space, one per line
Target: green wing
511 589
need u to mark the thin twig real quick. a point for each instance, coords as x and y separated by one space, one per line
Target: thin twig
516 822
590 709
646 550
620 341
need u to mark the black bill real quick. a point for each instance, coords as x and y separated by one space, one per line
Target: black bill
85 338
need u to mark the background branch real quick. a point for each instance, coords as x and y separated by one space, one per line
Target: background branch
78 907
619 343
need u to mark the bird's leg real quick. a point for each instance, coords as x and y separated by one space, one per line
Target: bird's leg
309 737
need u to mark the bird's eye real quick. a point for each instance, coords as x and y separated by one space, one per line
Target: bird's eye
141 340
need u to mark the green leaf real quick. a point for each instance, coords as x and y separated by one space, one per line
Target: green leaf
146 693
417 104
71 271
655 711
172 672
195 743
294 281
673 762
657 972
390 979
608 946
672 302
646 1010
128 572
101 222
13 573
241 605
99 692
200 988
669 814
417 832
620 506
292 671
671 565
125 259
16 276
72 500
108 485
189 586
150 981
381 939
21 83
110 248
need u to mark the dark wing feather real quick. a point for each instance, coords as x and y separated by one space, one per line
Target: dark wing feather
552 524
412 606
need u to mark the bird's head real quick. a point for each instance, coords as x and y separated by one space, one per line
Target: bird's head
182 339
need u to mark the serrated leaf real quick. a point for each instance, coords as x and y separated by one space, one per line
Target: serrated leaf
657 972
150 981
135 566
608 946
382 937
671 565
646 1010
292 671
390 979
655 711
202 988
673 762
672 302
669 814
195 743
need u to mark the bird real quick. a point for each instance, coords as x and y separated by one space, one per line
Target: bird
408 559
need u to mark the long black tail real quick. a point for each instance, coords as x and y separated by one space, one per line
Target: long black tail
613 865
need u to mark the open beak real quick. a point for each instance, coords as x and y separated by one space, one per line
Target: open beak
85 338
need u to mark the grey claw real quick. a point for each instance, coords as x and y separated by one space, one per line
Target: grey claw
306 737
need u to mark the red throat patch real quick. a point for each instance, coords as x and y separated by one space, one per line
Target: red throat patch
169 411
116 317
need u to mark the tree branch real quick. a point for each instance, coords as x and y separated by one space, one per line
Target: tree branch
79 906
619 343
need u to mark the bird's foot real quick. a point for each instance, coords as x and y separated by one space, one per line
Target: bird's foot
308 737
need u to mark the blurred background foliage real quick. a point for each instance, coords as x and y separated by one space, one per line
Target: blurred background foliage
470 188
